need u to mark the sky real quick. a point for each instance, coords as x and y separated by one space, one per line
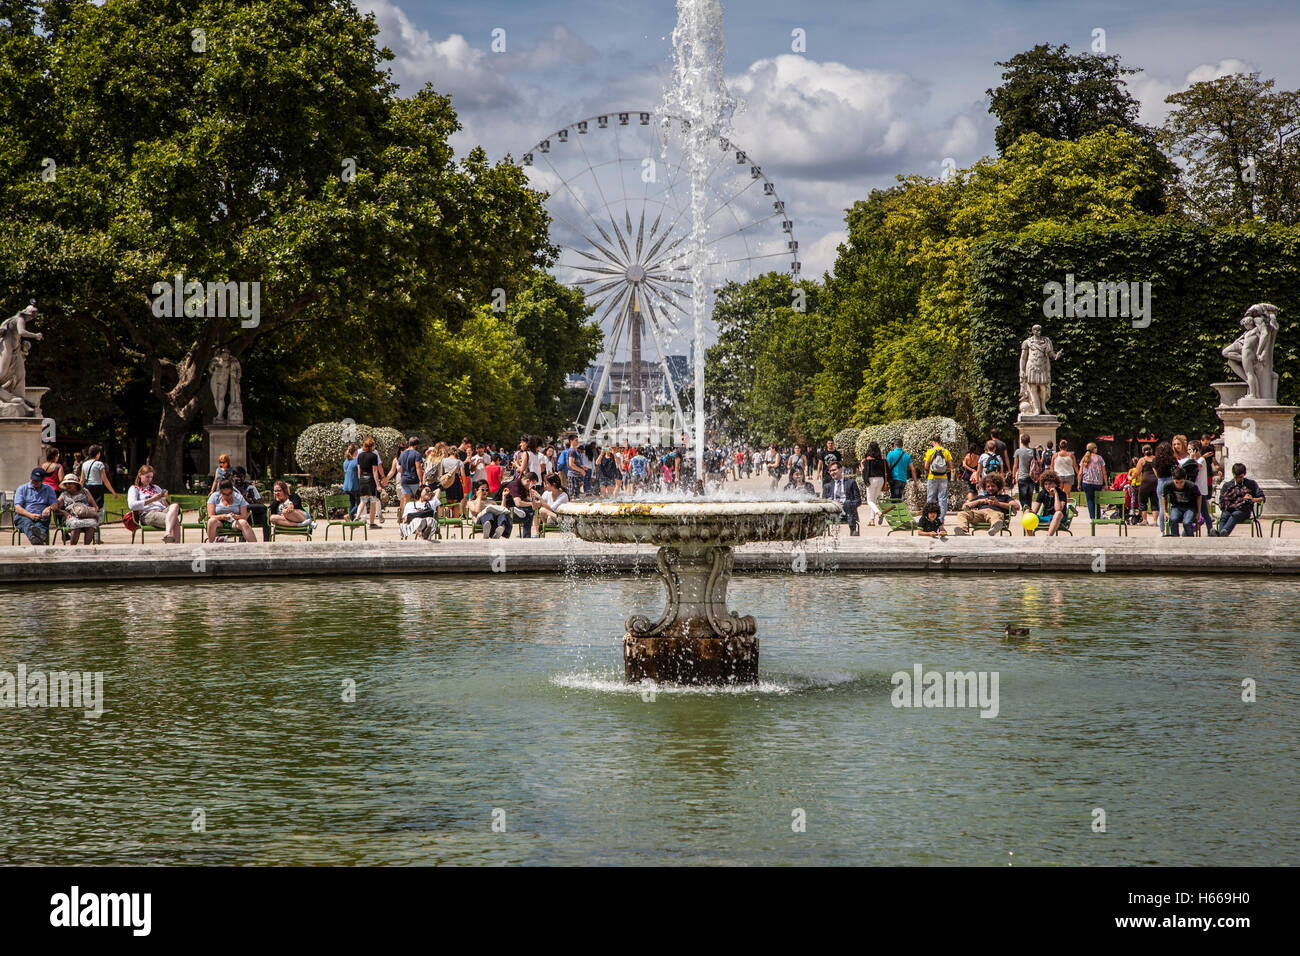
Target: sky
880 89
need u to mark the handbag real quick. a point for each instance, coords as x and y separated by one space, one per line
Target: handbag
129 522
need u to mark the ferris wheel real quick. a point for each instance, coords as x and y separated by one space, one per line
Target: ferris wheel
618 192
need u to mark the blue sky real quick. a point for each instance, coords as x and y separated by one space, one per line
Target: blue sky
882 88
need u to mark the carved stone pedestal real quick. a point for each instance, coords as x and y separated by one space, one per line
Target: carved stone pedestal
1261 437
696 640
1041 430
231 440
20 451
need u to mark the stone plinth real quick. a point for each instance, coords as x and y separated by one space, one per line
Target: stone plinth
231 440
1262 437
20 451
1041 430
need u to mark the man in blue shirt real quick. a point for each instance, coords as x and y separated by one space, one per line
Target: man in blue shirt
901 468
33 505
411 462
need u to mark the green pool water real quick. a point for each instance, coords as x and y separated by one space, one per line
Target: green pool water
482 700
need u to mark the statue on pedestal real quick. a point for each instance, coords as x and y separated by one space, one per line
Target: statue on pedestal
15 342
1250 356
224 380
1036 356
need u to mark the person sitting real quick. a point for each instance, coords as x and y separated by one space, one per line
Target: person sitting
495 519
257 508
930 525
1237 500
78 509
1182 503
34 502
149 504
552 498
798 485
846 492
420 516
228 510
521 497
990 505
286 508
1052 500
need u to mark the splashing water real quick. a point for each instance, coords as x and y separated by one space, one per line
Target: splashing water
698 94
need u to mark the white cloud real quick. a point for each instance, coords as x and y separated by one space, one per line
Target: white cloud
819 256
1151 90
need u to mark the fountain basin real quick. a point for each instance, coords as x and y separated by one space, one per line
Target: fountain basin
697 639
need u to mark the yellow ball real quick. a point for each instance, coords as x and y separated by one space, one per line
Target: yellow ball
1029 520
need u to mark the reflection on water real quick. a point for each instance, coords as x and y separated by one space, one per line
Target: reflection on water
480 693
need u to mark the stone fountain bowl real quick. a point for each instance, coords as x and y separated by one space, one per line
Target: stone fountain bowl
697 639
688 523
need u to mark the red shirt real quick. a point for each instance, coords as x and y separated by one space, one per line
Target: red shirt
493 477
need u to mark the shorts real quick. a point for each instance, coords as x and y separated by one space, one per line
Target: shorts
412 490
153 519
608 482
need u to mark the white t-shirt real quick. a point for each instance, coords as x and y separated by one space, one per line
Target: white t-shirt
537 464
554 501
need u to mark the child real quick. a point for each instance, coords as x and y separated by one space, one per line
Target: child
931 526
1052 500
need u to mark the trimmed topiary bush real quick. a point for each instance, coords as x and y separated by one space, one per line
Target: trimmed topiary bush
916 433
321 447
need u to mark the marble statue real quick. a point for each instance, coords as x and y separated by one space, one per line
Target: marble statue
1250 355
224 380
1036 372
15 342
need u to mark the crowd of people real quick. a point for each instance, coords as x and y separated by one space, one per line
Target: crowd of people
519 491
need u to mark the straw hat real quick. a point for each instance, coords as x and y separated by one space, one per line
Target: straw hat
70 480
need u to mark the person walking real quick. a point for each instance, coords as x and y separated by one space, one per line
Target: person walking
1148 485
874 471
1092 478
901 470
1065 466
95 477
351 479
370 480
1024 472
938 466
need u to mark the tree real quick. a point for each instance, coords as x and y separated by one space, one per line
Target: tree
1231 134
1059 95
551 321
745 314
782 406
258 142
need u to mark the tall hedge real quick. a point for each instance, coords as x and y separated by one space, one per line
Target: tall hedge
1114 378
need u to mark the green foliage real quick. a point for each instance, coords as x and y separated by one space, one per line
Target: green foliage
1114 378
907 266
746 315
229 163
916 434
1060 95
1229 134
782 406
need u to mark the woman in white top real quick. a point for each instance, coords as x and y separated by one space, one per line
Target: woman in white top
1063 463
94 477
552 498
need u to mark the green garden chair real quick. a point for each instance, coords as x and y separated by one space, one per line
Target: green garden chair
334 503
897 515
199 524
1109 499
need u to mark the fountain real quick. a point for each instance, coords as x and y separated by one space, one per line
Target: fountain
697 640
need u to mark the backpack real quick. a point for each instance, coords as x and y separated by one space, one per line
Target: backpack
991 461
1036 469
939 463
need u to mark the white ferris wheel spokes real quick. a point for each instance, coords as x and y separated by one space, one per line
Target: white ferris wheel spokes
619 198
